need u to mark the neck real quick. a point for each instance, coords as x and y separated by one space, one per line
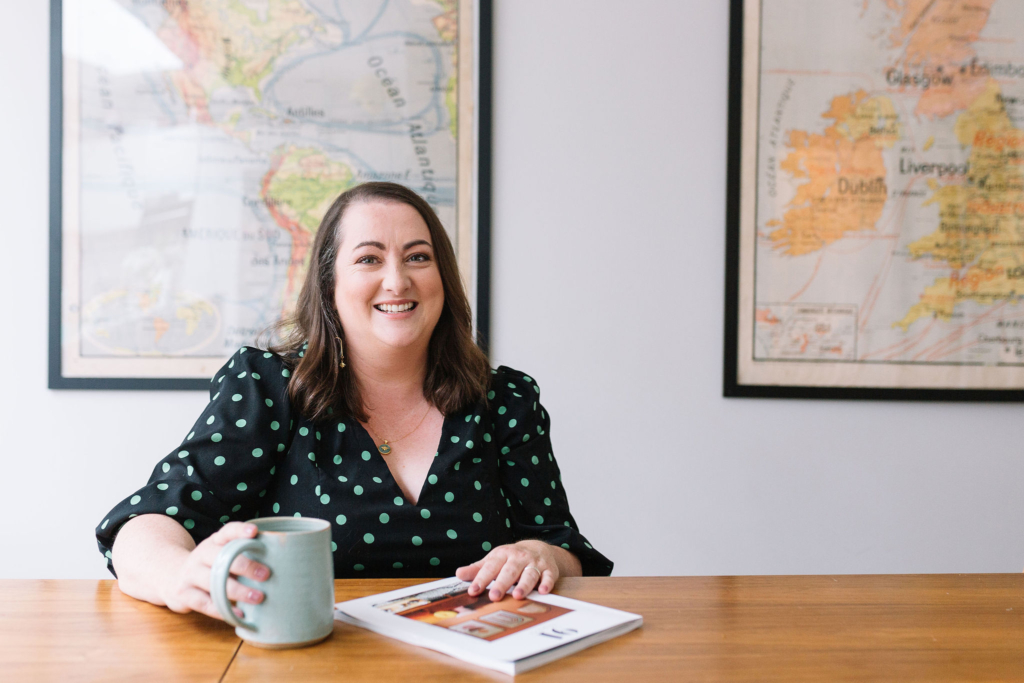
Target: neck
389 378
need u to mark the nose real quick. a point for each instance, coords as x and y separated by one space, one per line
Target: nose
396 279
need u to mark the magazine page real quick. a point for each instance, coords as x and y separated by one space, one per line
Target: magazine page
442 615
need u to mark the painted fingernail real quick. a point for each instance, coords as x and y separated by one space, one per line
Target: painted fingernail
261 573
254 596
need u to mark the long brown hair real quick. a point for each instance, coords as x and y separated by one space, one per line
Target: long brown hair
457 370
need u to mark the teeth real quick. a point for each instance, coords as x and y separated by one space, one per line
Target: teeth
394 308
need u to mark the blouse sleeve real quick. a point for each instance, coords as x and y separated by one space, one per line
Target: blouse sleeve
531 482
225 464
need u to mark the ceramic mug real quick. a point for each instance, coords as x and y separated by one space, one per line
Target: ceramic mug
298 603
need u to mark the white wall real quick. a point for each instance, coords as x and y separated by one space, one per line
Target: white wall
609 206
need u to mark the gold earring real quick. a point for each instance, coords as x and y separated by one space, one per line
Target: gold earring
341 350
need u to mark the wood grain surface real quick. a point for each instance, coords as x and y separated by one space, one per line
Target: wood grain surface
782 628
90 631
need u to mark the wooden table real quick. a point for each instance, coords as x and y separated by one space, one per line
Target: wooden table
754 628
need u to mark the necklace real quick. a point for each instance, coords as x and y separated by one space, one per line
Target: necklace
385 448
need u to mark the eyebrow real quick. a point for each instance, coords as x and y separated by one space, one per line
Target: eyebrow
381 246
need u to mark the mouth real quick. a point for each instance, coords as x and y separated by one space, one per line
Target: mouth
396 308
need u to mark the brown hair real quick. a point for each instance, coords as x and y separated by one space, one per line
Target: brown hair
458 372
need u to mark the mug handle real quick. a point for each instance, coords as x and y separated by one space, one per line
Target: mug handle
219 573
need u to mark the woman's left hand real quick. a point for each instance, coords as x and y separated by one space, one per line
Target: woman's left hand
527 564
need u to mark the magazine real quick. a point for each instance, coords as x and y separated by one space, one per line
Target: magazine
511 636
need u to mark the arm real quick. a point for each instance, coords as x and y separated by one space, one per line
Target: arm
158 562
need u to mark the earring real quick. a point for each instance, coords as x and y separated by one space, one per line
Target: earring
341 350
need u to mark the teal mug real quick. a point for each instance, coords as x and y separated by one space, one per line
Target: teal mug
298 604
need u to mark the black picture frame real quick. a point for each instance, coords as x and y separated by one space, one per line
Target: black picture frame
732 387
482 311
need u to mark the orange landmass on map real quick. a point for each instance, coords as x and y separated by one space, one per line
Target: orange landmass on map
981 218
845 188
937 37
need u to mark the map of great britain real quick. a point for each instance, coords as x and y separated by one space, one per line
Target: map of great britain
203 184
890 194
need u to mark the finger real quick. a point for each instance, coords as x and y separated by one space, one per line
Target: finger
248 567
469 571
547 582
527 580
195 600
199 577
208 549
487 573
509 574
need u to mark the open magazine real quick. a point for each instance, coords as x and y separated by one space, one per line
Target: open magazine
510 635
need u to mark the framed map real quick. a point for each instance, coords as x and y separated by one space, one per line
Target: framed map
875 212
196 145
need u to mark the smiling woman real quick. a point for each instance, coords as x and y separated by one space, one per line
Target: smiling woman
376 412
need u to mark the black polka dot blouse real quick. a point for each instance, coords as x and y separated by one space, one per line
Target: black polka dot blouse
493 480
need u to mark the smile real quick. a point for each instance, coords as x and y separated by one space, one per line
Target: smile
395 308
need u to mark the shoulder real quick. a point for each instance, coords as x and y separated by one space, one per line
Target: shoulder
263 370
515 385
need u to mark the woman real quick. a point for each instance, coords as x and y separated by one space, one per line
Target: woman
377 413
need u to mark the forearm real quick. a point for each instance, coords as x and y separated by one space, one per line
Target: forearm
147 551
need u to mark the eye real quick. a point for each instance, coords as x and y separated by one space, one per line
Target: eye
368 259
419 258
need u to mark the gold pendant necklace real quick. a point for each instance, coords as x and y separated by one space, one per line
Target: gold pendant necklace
385 449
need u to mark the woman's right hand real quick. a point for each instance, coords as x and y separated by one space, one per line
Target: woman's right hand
187 589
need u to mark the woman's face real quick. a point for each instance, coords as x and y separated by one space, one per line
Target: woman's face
387 289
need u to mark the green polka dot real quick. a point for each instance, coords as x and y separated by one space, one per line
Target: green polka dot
526 437
162 486
505 450
547 501
135 500
210 420
297 514
342 478
508 523
366 455
486 545
311 456
337 460
267 400
368 538
487 438
588 545
457 465
325 499
477 517
263 493
219 460
512 422
267 355
303 431
197 495
341 426
524 481
434 562
398 500
490 395
378 480
425 514
188 470
358 567
165 467
538 519
502 410
552 485
455 439
334 547
277 508
242 486
318 436
275 425
295 479
476 485
189 524
241 374
256 375
217 394
468 418
449 497
451 534
432 478
416 540
190 435
384 518
171 511
358 490
216 438
236 398
257 452
285 373
280 447
469 444
565 545
535 460
239 423
224 519
397 565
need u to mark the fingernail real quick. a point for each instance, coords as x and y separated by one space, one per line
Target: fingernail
250 528
254 596
261 573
